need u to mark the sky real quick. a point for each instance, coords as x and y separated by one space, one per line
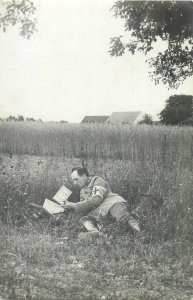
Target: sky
65 72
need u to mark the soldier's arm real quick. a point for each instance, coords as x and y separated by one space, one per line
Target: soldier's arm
98 194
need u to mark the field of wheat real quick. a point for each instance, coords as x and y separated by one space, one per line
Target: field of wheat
135 143
150 166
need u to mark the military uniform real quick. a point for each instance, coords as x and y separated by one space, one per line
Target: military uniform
91 207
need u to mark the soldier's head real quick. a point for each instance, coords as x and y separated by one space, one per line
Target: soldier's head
79 176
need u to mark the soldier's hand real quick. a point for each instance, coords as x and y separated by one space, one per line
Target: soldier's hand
69 205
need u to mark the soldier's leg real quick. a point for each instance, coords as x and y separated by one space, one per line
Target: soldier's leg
120 213
89 221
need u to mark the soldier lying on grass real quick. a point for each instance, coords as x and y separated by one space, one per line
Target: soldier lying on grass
97 200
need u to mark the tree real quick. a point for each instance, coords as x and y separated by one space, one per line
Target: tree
18 12
30 120
147 119
178 110
11 118
20 118
188 121
150 22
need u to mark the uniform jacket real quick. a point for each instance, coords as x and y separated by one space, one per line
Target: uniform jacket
96 186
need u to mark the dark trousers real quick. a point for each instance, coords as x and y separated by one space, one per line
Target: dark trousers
119 212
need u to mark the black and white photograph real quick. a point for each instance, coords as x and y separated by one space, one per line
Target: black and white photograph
96 150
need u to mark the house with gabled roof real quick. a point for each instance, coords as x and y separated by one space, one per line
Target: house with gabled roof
126 117
94 119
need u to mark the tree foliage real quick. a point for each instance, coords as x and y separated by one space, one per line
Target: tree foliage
30 119
149 22
19 13
178 110
20 118
147 119
11 118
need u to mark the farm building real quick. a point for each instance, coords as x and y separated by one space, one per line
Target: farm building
127 117
94 119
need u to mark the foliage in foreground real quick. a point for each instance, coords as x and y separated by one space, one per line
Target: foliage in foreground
149 22
19 12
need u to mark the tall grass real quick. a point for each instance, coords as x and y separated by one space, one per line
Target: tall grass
161 195
135 143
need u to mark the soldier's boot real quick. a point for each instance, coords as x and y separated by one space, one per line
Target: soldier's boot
92 233
134 224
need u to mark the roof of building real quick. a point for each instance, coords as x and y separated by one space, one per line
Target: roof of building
123 117
94 119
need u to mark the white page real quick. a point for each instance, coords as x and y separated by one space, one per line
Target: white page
52 207
62 195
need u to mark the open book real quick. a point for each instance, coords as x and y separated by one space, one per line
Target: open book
61 197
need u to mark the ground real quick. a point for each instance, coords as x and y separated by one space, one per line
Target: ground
40 260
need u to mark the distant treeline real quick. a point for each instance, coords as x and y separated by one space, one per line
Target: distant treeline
20 118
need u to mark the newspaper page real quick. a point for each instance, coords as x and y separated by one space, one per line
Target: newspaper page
52 207
62 195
